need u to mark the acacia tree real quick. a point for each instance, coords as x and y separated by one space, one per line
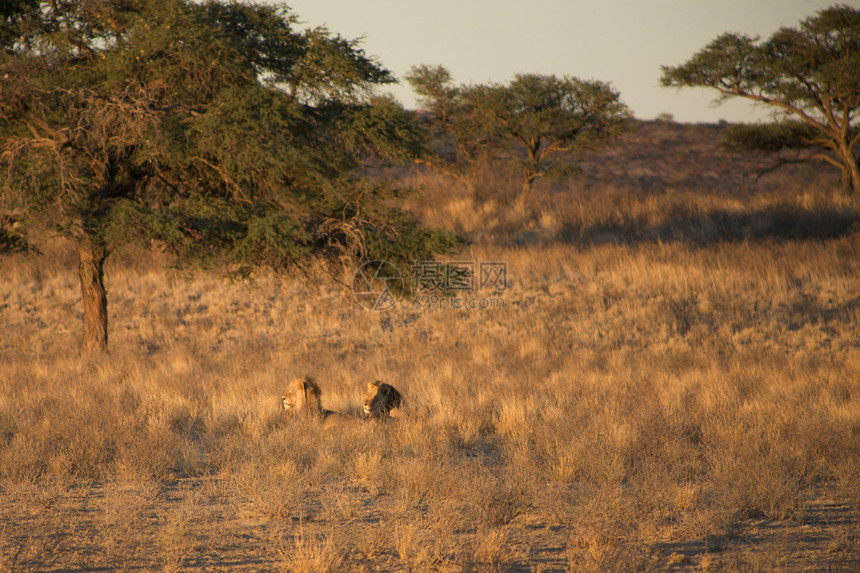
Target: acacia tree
214 130
457 143
810 74
543 118
549 117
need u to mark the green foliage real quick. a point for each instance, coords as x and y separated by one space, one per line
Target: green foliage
274 240
12 239
770 137
210 129
12 14
550 116
544 117
380 128
213 130
433 86
810 73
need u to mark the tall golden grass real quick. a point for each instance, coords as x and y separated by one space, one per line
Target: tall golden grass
673 382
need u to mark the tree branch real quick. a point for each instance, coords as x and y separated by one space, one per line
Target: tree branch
226 178
776 103
781 163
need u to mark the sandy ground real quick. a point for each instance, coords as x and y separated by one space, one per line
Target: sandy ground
191 525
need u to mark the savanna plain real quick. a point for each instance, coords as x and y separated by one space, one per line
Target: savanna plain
672 383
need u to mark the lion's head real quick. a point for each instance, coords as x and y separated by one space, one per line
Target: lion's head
303 395
381 399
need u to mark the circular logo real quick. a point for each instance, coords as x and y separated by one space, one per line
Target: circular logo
377 285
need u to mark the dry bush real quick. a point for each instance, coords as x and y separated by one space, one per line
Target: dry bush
306 554
490 551
423 545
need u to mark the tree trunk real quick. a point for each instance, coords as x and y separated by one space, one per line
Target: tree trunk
92 258
853 188
522 197
850 171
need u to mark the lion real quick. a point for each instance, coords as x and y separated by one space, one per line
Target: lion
303 397
383 401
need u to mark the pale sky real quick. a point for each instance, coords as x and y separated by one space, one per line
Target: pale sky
623 42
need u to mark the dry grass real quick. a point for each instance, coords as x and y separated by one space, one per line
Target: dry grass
673 383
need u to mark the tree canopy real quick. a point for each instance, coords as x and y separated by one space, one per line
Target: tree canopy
216 130
541 118
810 74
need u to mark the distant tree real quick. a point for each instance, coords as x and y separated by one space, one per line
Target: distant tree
433 84
457 144
543 116
810 74
549 117
214 130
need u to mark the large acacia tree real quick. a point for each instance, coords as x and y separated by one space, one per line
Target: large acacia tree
542 119
215 130
809 75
